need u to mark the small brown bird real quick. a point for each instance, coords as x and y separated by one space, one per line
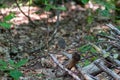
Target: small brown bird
72 62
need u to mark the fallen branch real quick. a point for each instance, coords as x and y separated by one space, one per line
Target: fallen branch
65 69
108 37
91 69
113 28
103 52
86 76
115 44
114 61
100 64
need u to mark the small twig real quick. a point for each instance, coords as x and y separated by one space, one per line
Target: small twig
24 13
113 28
29 8
109 48
65 69
113 61
84 75
113 43
108 37
56 27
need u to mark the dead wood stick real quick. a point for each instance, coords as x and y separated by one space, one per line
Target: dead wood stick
113 28
92 69
65 69
24 13
108 37
100 64
85 75
114 61
56 27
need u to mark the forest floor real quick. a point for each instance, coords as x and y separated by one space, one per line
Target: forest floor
74 31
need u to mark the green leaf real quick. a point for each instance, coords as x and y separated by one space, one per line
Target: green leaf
46 2
93 58
5 25
15 74
104 13
9 17
48 7
87 62
30 2
97 1
12 63
3 65
103 33
89 37
21 63
93 50
96 48
84 48
84 1
108 5
106 55
115 56
62 8
40 75
101 2
90 19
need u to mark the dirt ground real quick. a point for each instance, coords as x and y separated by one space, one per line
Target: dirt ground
31 41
